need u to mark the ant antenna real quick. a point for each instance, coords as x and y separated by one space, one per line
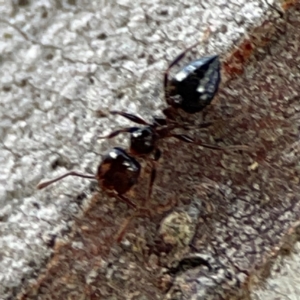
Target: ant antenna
44 184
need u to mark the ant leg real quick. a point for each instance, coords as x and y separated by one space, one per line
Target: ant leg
188 139
121 232
130 117
176 61
157 156
216 124
44 184
169 112
126 223
159 121
188 126
126 200
117 132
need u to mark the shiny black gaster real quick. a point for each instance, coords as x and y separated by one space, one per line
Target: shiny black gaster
195 85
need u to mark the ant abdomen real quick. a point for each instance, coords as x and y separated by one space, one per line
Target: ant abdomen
195 85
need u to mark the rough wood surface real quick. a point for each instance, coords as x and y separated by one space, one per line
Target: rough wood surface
218 219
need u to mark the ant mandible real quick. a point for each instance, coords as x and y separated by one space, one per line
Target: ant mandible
191 89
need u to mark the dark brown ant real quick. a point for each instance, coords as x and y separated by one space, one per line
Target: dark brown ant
191 89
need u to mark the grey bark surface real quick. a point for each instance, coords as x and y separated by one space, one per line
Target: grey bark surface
64 64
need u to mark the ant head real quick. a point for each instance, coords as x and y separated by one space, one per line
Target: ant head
142 140
118 171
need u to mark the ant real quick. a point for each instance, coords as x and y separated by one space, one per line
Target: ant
191 89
